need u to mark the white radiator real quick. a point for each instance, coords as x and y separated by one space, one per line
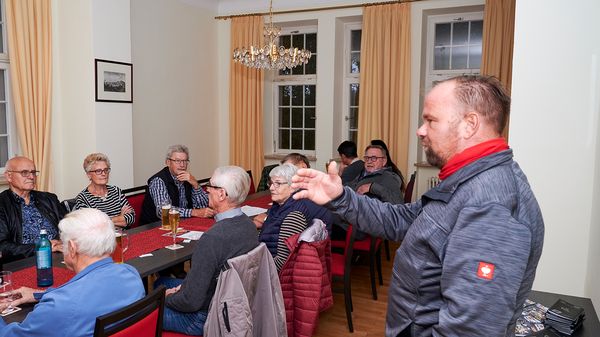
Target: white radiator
432 182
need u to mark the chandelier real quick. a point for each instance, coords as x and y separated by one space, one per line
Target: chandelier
271 56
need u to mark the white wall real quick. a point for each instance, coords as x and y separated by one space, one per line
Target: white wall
176 85
553 130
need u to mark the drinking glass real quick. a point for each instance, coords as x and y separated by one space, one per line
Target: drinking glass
6 288
122 240
165 208
174 222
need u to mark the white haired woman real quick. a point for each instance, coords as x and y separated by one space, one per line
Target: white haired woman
99 195
287 216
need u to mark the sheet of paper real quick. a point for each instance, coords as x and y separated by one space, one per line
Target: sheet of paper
252 211
191 235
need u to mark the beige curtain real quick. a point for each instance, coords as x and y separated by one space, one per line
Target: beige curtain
384 99
246 99
498 41
29 27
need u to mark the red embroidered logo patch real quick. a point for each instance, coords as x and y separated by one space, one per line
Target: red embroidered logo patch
486 270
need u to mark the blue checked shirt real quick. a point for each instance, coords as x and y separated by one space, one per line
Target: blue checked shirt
160 195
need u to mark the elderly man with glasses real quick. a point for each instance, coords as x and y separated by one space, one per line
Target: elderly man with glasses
176 186
25 211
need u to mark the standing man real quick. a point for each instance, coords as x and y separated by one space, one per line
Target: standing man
471 245
99 287
175 185
24 211
234 234
351 166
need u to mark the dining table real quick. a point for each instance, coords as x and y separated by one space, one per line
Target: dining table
146 252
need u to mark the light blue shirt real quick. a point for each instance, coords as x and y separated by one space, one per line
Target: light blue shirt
232 213
71 309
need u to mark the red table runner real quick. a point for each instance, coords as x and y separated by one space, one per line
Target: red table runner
28 277
147 241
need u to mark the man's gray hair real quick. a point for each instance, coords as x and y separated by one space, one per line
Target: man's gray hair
178 148
285 171
234 180
90 229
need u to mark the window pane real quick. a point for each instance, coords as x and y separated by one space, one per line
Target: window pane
311 66
460 34
311 42
353 121
298 41
297 95
354 92
442 34
474 57
355 62
284 95
297 117
284 139
441 58
284 40
284 117
309 118
2 85
309 140
296 140
3 125
353 136
1 40
3 150
476 32
310 93
355 36
459 57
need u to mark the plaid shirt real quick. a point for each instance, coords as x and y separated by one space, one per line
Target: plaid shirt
160 195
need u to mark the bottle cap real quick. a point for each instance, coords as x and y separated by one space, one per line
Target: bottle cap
43 231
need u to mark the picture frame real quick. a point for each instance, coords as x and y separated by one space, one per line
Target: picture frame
114 81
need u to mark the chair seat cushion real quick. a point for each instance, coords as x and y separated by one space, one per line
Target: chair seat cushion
337 265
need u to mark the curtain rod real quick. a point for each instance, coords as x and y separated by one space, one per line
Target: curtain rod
227 17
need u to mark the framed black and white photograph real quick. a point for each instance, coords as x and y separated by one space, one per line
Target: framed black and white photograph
114 81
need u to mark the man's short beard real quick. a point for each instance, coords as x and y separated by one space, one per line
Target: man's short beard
434 159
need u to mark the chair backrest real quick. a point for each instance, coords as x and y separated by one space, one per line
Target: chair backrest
409 188
143 318
264 178
135 196
69 204
349 249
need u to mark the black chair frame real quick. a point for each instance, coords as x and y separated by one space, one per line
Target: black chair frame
346 279
111 323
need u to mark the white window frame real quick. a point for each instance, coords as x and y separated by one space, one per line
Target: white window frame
432 75
279 80
11 128
349 77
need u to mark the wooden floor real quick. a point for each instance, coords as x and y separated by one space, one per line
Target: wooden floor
369 315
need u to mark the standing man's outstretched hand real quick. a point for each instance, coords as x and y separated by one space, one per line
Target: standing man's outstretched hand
317 186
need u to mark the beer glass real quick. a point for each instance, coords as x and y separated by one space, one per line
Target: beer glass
165 208
122 240
174 222
6 288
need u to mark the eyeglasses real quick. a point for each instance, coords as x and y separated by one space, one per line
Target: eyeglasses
100 171
276 184
26 173
215 187
371 158
179 162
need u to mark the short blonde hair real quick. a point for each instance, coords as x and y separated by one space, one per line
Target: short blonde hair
93 158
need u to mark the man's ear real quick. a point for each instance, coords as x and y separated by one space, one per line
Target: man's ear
72 248
471 124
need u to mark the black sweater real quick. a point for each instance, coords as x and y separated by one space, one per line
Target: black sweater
226 239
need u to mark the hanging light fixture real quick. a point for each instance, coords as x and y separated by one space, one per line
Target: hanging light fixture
271 56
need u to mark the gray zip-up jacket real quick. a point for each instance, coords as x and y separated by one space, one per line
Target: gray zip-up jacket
469 251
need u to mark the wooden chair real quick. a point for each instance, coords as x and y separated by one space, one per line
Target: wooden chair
341 264
252 187
409 188
143 318
135 196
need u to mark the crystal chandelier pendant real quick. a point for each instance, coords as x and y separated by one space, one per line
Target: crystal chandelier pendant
271 56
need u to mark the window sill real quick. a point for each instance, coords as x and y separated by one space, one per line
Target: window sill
280 156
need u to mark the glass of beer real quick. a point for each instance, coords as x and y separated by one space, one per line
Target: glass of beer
122 240
174 223
165 208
